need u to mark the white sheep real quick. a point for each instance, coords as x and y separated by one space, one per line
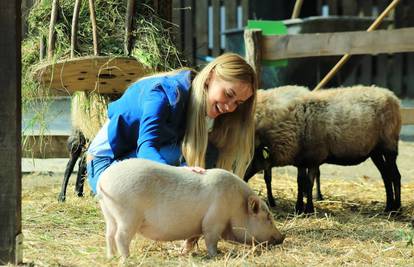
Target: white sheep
342 126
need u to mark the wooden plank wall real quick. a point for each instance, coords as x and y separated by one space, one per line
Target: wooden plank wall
10 132
192 19
387 70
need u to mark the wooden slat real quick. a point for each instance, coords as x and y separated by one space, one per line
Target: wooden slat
231 18
381 70
333 7
382 5
177 16
366 70
188 50
246 7
216 27
366 7
410 75
327 44
10 132
407 116
319 7
350 8
396 76
201 28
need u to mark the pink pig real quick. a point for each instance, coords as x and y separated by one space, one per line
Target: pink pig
167 203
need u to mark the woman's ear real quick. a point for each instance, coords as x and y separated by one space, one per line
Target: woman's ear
209 78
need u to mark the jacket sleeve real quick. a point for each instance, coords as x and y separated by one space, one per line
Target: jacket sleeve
155 111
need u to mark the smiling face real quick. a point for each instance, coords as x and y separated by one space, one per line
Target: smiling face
224 96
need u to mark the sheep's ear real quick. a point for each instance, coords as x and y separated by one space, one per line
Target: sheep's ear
253 203
265 152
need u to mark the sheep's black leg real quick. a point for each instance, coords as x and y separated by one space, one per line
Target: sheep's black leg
395 177
308 184
80 179
268 180
379 162
315 174
75 152
301 188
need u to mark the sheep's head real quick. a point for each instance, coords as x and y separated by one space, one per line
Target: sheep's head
261 161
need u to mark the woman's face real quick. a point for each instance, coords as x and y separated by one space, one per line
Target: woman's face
224 96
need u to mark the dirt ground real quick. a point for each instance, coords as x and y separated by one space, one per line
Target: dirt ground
348 228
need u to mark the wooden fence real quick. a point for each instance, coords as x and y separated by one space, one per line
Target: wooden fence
271 47
387 70
202 22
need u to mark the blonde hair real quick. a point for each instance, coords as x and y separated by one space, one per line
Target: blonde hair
233 133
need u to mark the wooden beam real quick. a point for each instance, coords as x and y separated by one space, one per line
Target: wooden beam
129 15
252 43
92 15
339 43
10 132
52 35
407 116
74 29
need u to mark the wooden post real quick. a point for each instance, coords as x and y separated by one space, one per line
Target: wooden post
10 132
94 28
52 36
74 30
128 26
253 45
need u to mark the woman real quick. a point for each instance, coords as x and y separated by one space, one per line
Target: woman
173 117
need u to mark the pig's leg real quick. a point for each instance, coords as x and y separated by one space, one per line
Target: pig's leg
110 230
213 227
124 234
127 225
212 237
189 244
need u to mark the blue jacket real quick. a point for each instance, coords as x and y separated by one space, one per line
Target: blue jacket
149 115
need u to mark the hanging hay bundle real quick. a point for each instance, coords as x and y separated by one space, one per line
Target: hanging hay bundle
89 112
151 46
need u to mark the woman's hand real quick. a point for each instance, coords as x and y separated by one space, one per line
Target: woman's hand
194 169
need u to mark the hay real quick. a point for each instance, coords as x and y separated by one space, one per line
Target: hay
89 112
348 229
152 46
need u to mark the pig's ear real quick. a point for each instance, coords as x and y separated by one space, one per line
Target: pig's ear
253 203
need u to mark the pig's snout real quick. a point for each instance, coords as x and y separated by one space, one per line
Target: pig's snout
276 240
